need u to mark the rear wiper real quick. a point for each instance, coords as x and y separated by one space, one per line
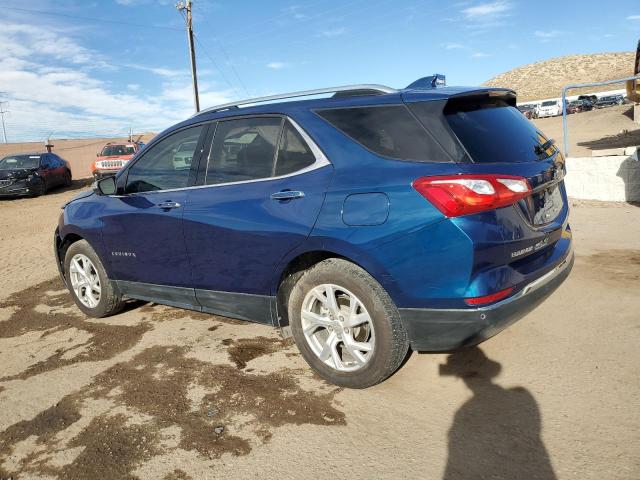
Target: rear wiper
540 149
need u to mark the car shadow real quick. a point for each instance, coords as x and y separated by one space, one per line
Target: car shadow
496 433
79 184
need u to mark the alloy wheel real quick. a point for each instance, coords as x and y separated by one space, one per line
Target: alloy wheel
337 327
85 280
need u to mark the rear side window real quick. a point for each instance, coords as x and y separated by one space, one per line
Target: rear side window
294 154
243 149
390 130
494 132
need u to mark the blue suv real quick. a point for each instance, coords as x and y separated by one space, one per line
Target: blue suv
363 220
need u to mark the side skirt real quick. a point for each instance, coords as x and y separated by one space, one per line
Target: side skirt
252 308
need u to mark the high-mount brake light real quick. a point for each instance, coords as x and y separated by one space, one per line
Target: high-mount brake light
457 195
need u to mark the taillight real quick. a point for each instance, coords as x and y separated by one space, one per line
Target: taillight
494 297
456 195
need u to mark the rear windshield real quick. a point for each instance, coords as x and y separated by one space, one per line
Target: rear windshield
390 130
494 132
550 103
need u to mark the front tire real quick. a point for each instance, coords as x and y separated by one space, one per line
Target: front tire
345 325
87 280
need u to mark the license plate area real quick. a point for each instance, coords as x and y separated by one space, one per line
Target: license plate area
544 206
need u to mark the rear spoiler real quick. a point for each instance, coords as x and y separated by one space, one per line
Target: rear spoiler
483 96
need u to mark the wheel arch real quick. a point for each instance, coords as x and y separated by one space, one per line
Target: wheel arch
297 263
62 244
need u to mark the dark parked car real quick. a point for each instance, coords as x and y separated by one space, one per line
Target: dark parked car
589 98
367 223
32 174
609 101
578 106
528 111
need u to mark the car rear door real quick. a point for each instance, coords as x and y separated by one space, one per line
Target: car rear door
263 182
48 170
142 226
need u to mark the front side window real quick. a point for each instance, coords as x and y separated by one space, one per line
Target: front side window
243 149
166 165
293 154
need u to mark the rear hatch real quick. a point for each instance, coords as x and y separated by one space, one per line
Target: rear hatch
492 137
499 139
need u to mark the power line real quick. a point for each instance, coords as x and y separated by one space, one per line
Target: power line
215 64
90 19
2 112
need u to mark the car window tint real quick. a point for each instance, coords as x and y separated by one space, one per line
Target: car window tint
391 131
243 149
495 132
165 165
293 154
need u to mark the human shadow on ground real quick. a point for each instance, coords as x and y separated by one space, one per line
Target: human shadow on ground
496 433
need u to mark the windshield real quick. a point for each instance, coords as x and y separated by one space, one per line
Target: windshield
19 162
550 103
187 147
113 150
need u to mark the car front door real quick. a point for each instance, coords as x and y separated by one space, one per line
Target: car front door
142 225
263 184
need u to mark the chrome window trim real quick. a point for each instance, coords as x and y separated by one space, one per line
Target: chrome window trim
321 161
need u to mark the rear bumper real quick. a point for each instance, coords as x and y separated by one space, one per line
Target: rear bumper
445 330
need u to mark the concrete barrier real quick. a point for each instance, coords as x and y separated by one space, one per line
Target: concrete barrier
614 178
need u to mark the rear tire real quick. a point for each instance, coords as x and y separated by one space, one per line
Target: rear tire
87 280
356 341
67 179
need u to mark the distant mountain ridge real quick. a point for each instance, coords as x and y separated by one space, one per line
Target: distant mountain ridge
546 79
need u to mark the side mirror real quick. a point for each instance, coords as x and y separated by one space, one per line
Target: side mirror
97 154
105 186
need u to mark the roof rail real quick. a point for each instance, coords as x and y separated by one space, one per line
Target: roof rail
356 89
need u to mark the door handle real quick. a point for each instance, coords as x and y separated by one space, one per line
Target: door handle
287 195
168 205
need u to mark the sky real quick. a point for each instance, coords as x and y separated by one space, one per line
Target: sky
72 68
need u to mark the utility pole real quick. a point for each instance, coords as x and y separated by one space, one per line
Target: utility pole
2 112
186 6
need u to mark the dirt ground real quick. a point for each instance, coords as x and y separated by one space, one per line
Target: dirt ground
161 393
600 129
